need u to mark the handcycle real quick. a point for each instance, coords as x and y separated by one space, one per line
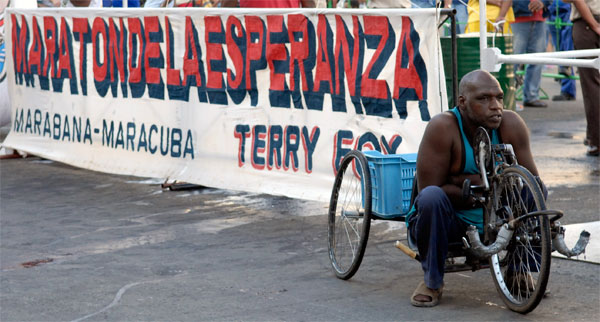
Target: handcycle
519 231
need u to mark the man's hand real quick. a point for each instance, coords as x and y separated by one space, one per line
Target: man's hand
586 14
458 180
535 5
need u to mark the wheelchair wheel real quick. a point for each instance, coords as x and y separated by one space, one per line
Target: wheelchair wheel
521 271
349 215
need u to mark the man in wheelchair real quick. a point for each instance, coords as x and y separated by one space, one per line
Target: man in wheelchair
445 159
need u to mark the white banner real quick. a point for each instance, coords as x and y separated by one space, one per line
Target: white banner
261 100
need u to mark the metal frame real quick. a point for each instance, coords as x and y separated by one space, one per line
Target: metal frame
492 58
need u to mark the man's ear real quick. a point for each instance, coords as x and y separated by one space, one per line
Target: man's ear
461 100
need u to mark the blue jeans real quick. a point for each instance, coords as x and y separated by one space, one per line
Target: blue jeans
424 3
462 16
530 37
562 40
433 228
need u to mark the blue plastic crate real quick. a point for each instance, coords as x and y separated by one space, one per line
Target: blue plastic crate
391 182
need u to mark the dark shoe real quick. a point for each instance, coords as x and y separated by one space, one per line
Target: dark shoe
593 151
563 97
536 103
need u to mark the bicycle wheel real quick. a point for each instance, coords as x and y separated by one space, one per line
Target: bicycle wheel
521 271
349 215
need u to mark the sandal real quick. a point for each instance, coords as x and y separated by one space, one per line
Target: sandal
422 289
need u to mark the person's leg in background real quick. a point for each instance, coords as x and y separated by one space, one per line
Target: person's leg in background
562 41
536 43
530 37
519 46
462 16
568 88
585 38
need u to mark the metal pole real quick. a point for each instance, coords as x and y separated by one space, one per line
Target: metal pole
454 59
532 60
452 14
482 30
563 54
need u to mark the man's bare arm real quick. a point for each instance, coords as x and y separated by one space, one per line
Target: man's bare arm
504 7
515 132
435 157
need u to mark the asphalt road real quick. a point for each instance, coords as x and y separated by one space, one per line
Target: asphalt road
77 245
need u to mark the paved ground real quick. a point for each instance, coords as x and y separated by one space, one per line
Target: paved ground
80 245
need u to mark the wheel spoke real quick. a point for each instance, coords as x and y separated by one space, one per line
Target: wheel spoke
349 239
349 218
521 275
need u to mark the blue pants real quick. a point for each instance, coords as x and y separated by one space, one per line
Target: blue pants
462 16
434 227
530 37
564 38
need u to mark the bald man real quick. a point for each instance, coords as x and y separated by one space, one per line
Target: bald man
445 160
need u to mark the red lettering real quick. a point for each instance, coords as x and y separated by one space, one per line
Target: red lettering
152 50
254 51
190 64
116 49
35 52
50 41
135 28
214 51
173 75
80 26
377 88
64 58
342 47
100 70
323 71
406 77
19 44
297 24
275 52
234 53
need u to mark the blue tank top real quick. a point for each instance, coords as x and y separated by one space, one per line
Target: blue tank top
470 216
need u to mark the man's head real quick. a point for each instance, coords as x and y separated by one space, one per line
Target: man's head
480 99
